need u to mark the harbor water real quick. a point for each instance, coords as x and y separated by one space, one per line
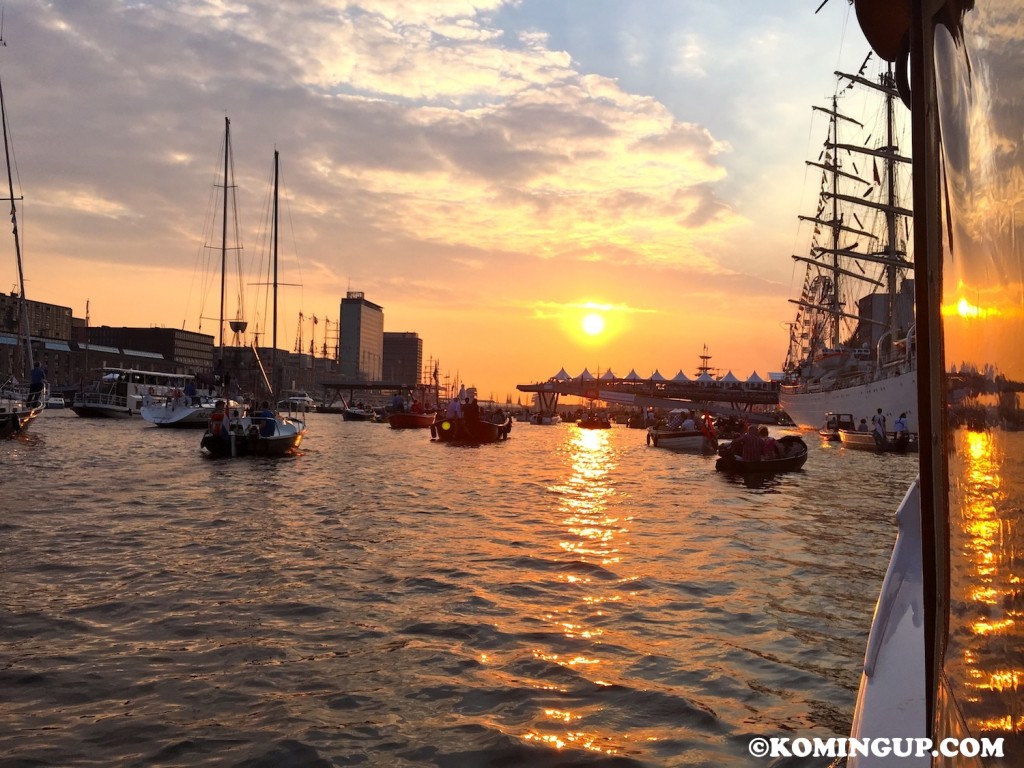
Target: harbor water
567 597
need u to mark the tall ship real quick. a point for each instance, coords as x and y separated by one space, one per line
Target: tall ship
851 346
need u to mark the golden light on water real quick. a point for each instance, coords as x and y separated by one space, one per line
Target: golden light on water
591 537
986 591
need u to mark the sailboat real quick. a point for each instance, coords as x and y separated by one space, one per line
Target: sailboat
262 432
171 406
852 343
20 403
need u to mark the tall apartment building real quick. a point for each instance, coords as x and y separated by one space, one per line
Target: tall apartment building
403 357
362 339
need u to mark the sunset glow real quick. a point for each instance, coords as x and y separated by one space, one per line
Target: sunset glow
472 168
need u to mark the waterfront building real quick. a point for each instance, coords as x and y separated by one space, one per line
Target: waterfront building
403 357
362 338
191 352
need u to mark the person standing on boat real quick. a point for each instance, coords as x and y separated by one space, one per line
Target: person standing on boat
878 421
37 379
902 434
863 426
454 409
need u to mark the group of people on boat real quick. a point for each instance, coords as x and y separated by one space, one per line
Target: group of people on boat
226 421
901 433
756 444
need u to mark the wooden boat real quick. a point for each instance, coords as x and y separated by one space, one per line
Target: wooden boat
682 439
865 441
794 456
462 432
409 420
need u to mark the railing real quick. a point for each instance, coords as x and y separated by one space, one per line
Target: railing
101 398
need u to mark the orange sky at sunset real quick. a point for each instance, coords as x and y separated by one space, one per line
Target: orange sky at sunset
489 172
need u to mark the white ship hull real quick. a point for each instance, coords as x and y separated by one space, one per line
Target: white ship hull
895 394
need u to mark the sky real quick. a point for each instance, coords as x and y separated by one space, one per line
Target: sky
488 172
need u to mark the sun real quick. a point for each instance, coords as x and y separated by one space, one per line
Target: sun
593 324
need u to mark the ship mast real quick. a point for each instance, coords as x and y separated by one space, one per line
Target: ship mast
26 330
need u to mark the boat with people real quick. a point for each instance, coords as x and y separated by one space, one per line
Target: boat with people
593 420
121 393
20 403
852 343
262 431
462 431
747 454
181 408
257 431
893 442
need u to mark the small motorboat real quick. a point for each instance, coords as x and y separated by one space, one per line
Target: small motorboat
834 422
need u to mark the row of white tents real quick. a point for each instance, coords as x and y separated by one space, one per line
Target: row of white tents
656 377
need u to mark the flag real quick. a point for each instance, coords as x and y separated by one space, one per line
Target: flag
878 179
315 321
435 374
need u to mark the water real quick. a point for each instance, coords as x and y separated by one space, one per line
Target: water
565 598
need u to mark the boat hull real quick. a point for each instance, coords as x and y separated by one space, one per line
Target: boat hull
410 420
894 395
865 441
179 416
246 439
460 432
681 440
356 414
794 458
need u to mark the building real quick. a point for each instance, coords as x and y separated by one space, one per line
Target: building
403 357
362 339
191 352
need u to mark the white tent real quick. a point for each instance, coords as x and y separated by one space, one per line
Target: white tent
681 377
586 375
755 379
608 376
705 378
729 378
633 375
656 376
561 376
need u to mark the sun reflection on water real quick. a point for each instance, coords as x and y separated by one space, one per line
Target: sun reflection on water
591 540
986 592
